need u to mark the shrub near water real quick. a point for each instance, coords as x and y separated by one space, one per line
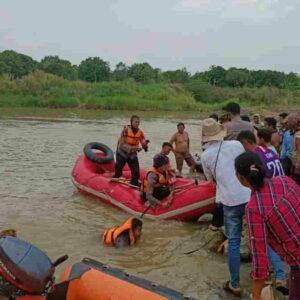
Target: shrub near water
47 90
40 89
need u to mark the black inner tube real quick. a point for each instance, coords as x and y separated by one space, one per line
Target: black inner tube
91 155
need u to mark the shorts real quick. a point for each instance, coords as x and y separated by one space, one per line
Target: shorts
181 157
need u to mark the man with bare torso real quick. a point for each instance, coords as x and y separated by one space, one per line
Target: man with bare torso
182 148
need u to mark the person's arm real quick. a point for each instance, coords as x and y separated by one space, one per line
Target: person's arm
173 139
188 141
143 141
207 172
275 141
296 156
258 248
288 140
123 145
152 180
283 150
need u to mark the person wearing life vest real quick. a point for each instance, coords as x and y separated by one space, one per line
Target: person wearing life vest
126 234
155 185
131 141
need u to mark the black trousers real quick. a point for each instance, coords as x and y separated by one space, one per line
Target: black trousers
286 165
159 193
133 164
218 216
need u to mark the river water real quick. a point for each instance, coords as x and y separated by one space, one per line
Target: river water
38 150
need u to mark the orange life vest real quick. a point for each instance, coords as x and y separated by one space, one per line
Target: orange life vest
162 180
112 234
132 139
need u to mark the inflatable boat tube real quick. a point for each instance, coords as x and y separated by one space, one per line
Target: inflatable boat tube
91 280
107 156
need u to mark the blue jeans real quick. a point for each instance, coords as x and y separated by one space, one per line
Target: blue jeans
276 263
233 221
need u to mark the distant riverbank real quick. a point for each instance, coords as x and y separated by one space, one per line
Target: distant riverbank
40 89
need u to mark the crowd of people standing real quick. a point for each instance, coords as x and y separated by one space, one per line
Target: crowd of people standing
256 169
249 162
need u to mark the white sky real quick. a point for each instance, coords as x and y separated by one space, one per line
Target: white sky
169 34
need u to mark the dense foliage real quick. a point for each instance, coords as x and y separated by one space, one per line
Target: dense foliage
94 69
55 82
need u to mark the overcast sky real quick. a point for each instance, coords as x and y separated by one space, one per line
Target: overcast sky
169 34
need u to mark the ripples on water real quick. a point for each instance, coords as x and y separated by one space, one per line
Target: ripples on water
40 202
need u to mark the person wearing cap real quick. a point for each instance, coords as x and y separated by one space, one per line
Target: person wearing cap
218 166
235 124
155 186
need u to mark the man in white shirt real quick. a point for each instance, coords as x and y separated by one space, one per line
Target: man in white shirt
218 166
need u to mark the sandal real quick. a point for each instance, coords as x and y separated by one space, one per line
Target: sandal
281 287
234 291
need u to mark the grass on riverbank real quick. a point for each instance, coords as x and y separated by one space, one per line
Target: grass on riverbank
40 89
45 90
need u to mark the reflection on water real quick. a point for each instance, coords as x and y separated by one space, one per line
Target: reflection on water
40 202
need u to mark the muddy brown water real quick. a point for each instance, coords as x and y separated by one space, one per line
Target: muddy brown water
38 150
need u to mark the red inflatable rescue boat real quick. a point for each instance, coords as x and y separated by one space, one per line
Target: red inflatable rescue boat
92 175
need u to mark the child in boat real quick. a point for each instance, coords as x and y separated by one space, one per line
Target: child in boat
125 235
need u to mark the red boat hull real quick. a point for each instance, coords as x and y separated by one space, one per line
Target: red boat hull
189 202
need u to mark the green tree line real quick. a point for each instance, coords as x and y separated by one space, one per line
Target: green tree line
95 69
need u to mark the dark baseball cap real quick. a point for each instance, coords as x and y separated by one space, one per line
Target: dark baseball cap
159 160
233 108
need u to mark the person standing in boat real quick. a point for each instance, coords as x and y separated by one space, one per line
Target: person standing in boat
155 186
131 141
182 148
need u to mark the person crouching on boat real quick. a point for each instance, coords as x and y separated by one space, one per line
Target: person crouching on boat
155 186
131 141
125 235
